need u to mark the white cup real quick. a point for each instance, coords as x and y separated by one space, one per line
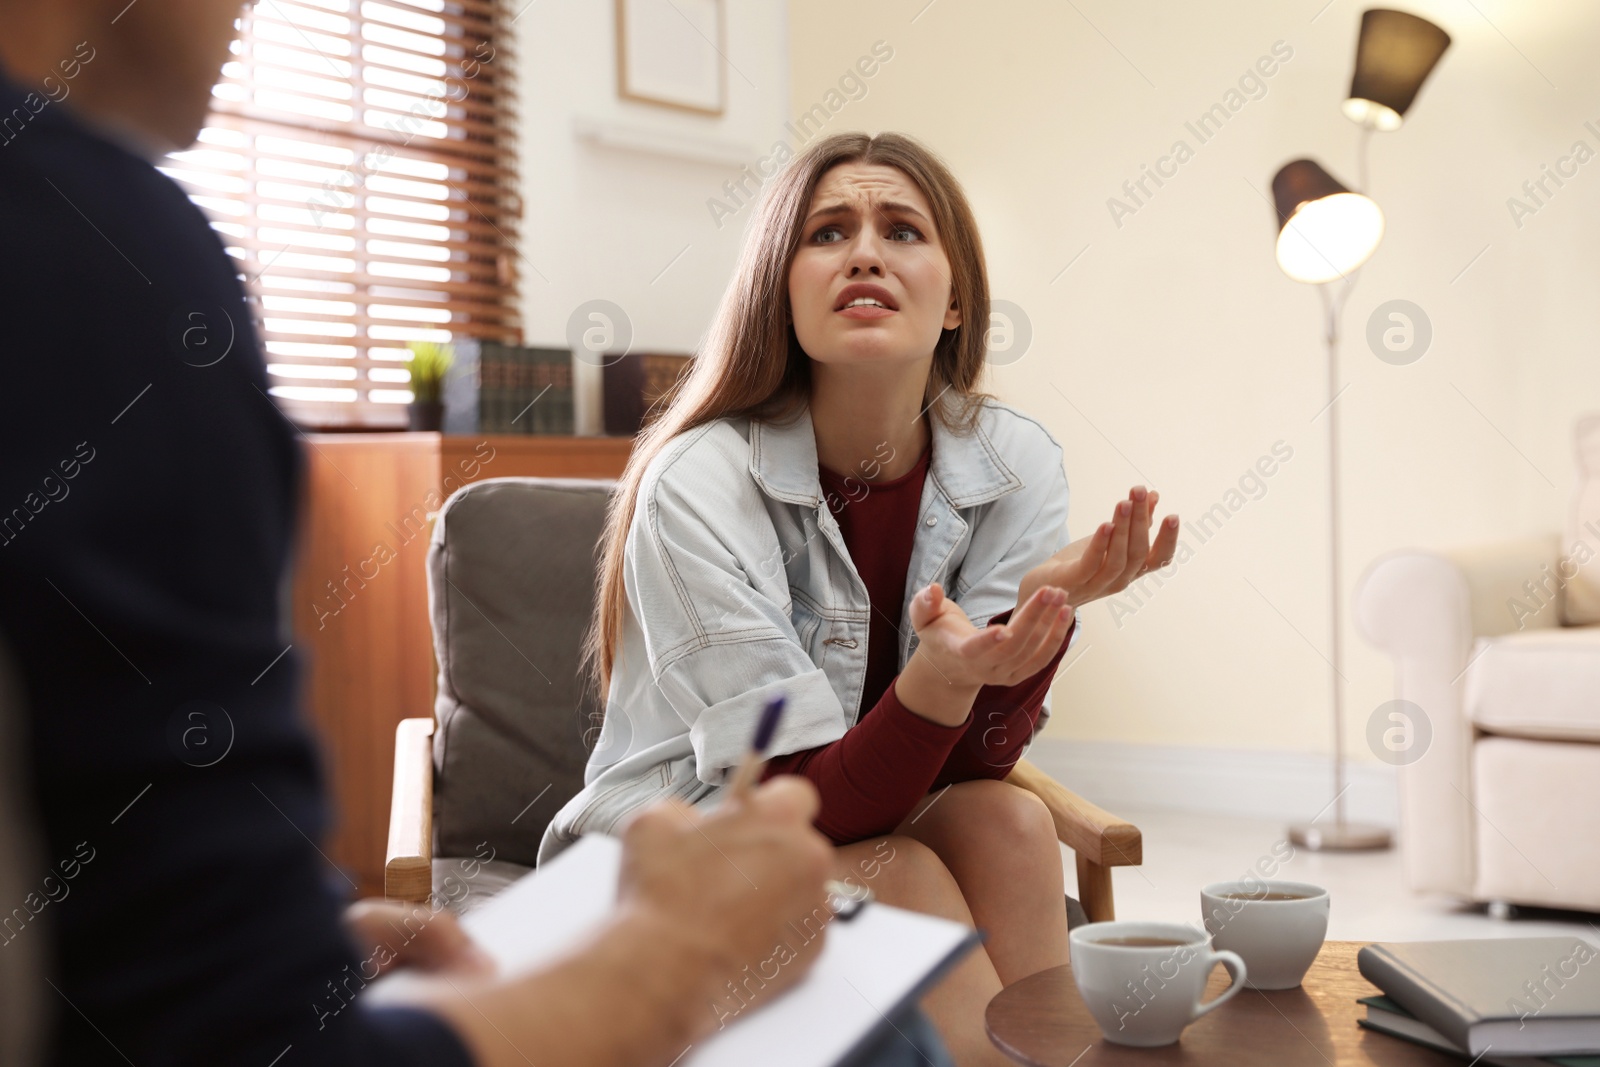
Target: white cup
1146 994
1278 938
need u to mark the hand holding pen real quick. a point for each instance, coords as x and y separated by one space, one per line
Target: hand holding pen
845 899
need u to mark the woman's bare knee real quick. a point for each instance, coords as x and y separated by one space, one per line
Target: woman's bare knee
986 814
906 873
1020 816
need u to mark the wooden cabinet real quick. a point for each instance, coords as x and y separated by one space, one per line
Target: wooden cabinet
360 599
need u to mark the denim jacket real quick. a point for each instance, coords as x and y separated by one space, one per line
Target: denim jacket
739 588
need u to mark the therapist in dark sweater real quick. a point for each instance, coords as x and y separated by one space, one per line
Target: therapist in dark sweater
147 503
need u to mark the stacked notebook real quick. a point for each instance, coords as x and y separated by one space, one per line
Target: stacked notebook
1514 1002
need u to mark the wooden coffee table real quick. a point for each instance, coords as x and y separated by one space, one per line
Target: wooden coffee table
1042 1021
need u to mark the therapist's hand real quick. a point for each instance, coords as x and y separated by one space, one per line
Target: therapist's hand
1116 554
389 934
732 894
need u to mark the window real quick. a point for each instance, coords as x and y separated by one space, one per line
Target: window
360 163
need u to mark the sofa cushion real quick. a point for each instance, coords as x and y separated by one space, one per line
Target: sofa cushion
511 584
1537 684
1581 543
1537 816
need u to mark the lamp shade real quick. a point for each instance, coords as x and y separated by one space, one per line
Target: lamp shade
1394 56
1324 230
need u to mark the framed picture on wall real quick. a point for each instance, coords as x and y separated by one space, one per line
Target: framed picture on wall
670 53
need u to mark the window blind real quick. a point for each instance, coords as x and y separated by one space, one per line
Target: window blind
360 163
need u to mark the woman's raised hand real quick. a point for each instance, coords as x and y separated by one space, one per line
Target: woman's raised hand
1117 552
967 657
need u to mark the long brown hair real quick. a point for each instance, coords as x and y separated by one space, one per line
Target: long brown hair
752 364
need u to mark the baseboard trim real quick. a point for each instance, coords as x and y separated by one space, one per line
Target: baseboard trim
1291 786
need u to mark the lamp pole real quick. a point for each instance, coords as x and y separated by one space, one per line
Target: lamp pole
1343 835
1335 554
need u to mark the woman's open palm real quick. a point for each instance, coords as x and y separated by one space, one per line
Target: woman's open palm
1116 554
995 655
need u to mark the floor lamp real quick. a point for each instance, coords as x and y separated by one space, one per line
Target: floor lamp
1326 232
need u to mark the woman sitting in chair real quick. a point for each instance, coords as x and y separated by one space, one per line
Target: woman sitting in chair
828 509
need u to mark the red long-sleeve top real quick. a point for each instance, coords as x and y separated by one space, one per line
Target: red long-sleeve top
871 778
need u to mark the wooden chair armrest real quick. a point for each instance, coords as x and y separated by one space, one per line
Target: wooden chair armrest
408 868
1092 832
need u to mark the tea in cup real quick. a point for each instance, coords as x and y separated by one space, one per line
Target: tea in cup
1142 981
1278 927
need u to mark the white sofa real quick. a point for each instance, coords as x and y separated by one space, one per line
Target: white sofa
1500 649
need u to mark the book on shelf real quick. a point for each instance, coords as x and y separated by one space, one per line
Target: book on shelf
543 391
461 388
631 386
1531 996
499 388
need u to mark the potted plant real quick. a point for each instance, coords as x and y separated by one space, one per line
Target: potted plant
430 362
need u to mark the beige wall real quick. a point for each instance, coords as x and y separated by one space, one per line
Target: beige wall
631 225
1174 352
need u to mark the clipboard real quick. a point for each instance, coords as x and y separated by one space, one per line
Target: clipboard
871 966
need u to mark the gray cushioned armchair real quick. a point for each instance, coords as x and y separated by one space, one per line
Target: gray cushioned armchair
511 580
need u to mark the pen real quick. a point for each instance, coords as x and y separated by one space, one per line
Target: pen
744 778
